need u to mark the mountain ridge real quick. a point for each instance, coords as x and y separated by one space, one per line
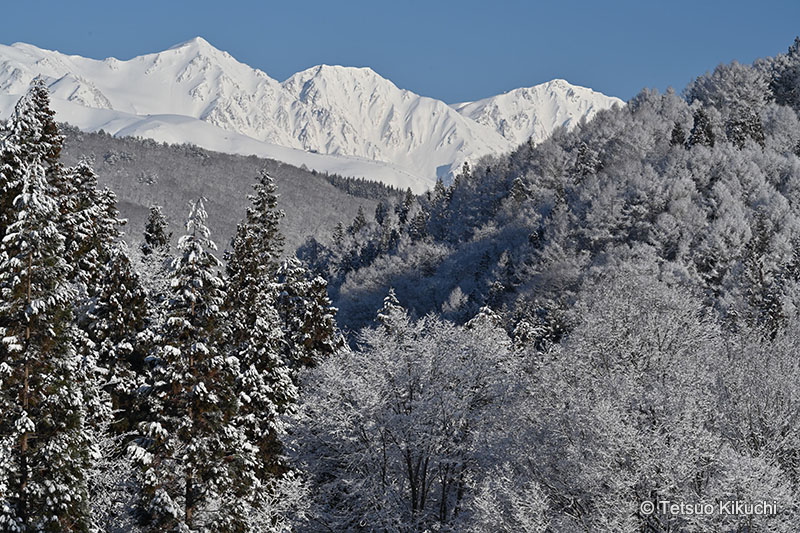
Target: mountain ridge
339 111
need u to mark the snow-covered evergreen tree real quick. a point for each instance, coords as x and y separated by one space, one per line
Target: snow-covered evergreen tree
256 248
307 315
196 465
30 137
114 323
156 238
255 331
90 222
702 132
41 396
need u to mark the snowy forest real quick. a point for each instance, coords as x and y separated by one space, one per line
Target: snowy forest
559 335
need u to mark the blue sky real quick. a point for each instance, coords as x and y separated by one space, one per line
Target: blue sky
454 51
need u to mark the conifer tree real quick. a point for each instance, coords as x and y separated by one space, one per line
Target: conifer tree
392 316
380 212
702 133
358 223
338 235
194 461
587 162
265 385
744 125
419 226
256 248
41 399
678 137
785 84
254 331
31 137
91 225
519 191
156 238
307 315
115 319
404 208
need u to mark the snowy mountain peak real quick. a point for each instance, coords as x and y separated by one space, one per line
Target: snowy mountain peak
195 42
323 77
327 109
534 112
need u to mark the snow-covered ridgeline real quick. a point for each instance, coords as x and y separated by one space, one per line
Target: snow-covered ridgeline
353 114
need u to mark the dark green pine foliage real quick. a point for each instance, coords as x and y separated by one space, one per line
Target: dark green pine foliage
338 234
418 229
309 319
265 387
195 463
519 191
404 208
115 320
156 238
702 133
90 222
380 212
254 331
45 459
678 137
91 225
746 124
439 212
256 248
359 222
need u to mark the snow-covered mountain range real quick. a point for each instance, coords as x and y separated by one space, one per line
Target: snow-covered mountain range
338 119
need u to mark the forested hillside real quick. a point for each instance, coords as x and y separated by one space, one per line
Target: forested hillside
143 172
570 338
700 188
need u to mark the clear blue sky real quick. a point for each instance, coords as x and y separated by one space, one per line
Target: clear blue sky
454 51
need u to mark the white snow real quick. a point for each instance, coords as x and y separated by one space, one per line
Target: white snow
536 111
357 122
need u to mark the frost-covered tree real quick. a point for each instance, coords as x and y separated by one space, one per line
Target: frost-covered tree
41 391
587 161
785 83
156 238
195 464
509 502
395 432
307 315
702 133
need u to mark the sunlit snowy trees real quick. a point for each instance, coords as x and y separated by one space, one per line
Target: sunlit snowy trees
604 319
194 460
255 333
42 412
395 431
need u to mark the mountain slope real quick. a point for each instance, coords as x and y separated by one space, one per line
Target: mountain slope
357 112
534 112
339 111
143 173
179 129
